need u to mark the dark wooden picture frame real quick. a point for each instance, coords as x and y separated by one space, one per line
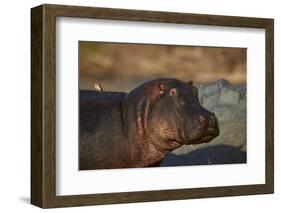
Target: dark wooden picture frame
43 105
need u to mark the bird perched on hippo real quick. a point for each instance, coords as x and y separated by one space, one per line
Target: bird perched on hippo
139 128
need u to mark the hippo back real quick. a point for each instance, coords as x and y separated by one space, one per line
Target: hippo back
100 127
95 106
100 98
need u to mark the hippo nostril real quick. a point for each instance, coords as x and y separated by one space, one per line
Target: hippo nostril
212 120
213 116
203 121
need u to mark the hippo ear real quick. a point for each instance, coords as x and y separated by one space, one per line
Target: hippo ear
190 83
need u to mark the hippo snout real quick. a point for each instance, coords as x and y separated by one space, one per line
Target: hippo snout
207 128
208 123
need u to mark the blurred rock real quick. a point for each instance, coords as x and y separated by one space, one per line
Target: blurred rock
210 101
217 154
229 96
228 102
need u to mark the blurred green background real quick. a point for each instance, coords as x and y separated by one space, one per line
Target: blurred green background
121 67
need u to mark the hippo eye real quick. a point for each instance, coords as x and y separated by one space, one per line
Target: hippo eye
173 91
194 91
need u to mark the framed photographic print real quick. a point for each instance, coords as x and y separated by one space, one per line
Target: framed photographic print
136 106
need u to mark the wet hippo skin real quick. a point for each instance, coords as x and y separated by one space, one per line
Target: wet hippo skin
139 128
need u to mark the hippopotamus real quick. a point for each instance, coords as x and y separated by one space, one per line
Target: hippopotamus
139 128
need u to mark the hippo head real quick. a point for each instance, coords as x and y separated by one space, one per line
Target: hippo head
169 113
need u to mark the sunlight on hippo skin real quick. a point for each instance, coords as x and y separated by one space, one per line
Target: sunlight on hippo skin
140 128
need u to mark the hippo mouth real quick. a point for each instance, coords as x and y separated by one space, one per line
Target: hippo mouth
205 137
